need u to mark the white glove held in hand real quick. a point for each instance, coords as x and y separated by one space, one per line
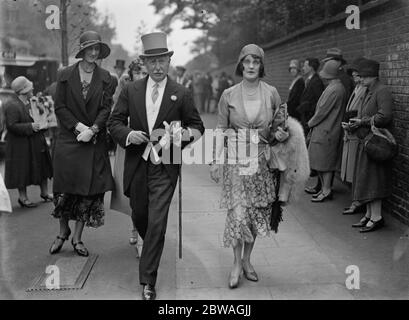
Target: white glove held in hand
81 127
85 136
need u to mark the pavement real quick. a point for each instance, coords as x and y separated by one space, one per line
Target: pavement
309 257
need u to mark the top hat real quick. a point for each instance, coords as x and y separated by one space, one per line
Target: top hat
155 44
330 70
90 38
334 54
368 68
119 64
21 85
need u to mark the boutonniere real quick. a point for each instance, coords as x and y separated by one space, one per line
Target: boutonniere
173 98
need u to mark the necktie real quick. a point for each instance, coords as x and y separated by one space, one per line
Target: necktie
155 92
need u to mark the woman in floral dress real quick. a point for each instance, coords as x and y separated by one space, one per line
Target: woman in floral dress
248 192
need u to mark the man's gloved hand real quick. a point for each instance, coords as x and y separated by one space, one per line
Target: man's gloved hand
85 136
80 127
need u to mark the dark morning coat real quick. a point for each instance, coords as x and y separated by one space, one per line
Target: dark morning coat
27 160
82 168
309 98
177 105
372 180
294 97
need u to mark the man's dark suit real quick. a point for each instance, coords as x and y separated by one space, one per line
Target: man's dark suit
309 98
149 186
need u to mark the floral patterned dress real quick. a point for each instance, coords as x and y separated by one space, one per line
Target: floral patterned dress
248 198
87 209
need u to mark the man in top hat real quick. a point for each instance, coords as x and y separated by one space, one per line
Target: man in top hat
152 103
181 76
347 81
119 68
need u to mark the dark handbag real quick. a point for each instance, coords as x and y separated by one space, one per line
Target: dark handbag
380 145
276 214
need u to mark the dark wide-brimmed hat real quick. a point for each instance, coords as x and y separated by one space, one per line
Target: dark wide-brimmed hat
368 68
21 85
155 44
90 38
334 54
330 70
354 65
119 64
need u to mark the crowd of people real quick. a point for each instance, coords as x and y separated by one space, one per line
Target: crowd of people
320 130
338 107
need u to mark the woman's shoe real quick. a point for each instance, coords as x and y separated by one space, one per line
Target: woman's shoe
375 225
353 209
250 275
47 198
81 251
26 203
312 190
63 239
316 194
234 281
323 197
362 223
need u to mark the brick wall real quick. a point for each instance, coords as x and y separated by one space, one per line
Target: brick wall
384 36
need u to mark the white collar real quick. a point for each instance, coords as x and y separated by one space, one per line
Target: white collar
162 83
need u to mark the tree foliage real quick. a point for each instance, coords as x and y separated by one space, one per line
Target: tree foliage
229 24
30 25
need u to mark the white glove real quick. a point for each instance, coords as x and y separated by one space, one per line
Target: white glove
85 136
81 127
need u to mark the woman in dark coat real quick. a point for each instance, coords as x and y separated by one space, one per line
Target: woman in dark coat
28 160
82 171
372 180
296 89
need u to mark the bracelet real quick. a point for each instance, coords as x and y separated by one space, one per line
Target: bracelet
94 129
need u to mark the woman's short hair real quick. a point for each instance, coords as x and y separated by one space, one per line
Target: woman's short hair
135 65
240 67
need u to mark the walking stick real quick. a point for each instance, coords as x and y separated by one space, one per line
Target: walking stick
180 205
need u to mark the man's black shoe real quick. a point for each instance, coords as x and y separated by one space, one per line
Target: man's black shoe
148 292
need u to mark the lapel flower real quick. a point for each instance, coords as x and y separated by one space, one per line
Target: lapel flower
173 98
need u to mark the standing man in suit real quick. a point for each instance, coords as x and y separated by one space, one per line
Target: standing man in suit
149 103
314 87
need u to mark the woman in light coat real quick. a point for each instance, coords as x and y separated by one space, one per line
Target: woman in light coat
351 141
248 191
325 144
